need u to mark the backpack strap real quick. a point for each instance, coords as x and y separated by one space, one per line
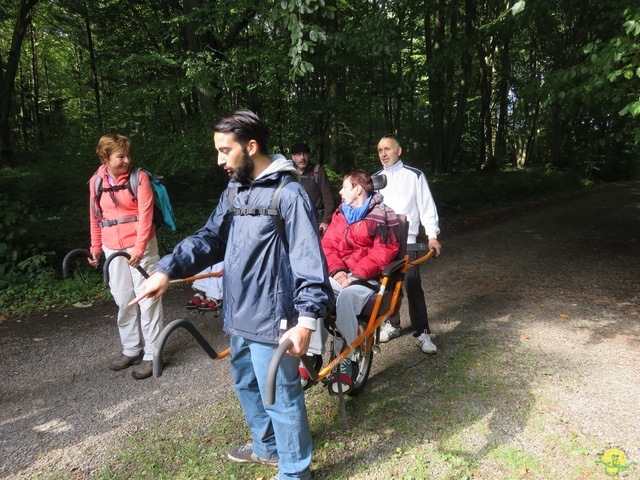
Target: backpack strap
277 219
133 182
95 205
316 169
273 212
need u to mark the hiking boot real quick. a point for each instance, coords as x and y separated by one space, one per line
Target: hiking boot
388 332
342 381
144 370
244 454
305 377
125 362
425 343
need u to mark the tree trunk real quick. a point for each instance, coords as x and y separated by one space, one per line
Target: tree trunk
466 62
94 68
437 87
36 88
502 100
8 77
333 87
486 129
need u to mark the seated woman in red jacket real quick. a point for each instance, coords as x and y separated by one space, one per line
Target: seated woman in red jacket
361 240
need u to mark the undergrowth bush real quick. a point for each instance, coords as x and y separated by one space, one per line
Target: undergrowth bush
28 278
46 291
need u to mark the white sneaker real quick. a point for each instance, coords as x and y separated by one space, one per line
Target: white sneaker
425 343
388 332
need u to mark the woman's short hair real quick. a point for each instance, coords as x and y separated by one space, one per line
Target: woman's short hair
111 143
362 178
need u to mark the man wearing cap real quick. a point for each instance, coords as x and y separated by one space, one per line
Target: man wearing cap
315 181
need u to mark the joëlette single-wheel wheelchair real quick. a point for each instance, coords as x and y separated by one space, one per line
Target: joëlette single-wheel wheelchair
383 304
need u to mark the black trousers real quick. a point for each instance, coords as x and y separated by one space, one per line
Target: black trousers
415 296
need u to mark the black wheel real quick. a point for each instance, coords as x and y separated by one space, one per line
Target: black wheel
364 366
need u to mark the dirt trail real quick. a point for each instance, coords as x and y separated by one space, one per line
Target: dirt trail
561 280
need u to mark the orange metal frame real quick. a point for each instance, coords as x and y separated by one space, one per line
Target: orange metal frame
375 319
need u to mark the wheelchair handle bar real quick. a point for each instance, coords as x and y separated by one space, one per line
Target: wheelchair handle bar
142 271
189 327
272 372
67 258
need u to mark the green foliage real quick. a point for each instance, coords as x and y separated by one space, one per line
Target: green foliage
304 36
465 85
28 279
36 287
16 221
471 192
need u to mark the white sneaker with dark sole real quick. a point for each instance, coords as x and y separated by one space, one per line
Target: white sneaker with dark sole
425 344
388 332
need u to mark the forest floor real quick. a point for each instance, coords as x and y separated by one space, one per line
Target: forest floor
536 313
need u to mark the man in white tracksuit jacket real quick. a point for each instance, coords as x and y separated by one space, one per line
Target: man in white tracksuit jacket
407 192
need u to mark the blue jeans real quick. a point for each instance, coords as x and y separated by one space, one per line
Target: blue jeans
279 430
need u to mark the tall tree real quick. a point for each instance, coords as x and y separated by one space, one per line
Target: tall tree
8 71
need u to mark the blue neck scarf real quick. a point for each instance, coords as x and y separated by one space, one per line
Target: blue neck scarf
355 214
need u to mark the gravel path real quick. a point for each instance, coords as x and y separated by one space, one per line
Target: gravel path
562 280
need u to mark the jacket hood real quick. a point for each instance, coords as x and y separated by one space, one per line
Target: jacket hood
279 163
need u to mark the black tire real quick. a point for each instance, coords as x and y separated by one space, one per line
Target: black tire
364 367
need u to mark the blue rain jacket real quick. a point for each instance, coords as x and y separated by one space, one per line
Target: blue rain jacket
265 289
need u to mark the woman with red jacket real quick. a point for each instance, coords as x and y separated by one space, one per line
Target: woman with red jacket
120 222
361 240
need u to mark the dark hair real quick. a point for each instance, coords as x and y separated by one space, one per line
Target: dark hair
246 126
300 148
392 137
362 178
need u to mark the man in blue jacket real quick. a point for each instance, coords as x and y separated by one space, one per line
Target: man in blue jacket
274 288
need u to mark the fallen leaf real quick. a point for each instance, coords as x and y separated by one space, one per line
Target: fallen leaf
564 315
526 337
83 304
523 471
